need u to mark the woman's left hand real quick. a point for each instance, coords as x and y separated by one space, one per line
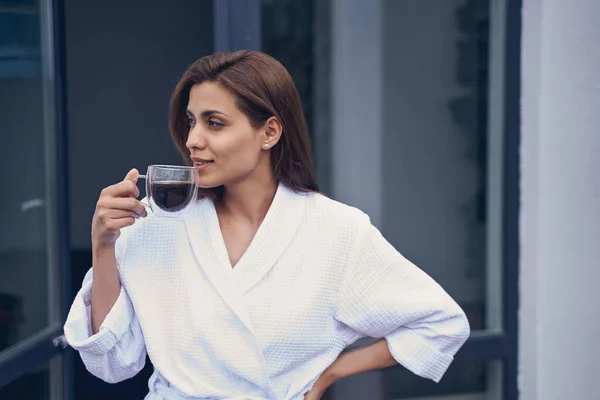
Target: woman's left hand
372 357
314 394
320 386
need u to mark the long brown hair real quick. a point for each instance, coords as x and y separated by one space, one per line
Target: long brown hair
263 88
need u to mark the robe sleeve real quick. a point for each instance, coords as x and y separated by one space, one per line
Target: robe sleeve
383 295
117 351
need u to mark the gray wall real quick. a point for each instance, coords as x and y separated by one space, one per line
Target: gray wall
560 214
123 62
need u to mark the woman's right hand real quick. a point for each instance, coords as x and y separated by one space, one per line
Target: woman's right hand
117 208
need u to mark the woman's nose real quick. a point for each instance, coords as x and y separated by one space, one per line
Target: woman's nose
195 139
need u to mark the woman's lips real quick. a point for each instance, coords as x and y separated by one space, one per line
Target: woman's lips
202 165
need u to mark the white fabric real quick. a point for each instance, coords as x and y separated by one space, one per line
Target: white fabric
316 277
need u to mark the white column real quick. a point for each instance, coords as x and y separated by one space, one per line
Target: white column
560 214
357 120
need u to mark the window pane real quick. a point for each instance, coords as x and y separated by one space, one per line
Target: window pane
297 33
34 385
396 95
27 303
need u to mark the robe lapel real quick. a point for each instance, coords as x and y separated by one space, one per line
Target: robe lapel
273 237
204 233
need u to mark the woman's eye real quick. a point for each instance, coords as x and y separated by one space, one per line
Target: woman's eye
214 124
190 121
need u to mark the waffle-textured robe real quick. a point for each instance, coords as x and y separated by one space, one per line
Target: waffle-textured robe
316 277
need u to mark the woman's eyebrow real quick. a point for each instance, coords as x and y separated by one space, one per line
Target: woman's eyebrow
206 113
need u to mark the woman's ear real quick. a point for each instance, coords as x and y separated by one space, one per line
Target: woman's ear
272 133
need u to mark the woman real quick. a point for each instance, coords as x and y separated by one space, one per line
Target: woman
256 292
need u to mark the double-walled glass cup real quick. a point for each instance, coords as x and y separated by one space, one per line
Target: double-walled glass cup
170 190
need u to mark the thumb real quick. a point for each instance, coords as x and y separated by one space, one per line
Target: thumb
132 175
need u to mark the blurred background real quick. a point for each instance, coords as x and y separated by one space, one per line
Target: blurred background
426 114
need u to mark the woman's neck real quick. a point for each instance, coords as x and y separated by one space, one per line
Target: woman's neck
249 200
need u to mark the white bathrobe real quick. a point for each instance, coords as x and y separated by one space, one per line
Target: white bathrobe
316 277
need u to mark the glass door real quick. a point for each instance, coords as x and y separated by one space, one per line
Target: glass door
31 234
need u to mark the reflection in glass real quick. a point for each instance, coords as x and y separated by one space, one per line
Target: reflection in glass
23 239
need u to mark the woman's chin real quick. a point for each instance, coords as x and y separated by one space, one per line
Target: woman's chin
207 184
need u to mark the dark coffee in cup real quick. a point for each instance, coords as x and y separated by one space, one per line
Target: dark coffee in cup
172 196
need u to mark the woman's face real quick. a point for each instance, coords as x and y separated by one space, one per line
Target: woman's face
224 147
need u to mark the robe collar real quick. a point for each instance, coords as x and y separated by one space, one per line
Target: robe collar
270 242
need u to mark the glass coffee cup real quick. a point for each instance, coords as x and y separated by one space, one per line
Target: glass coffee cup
170 189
